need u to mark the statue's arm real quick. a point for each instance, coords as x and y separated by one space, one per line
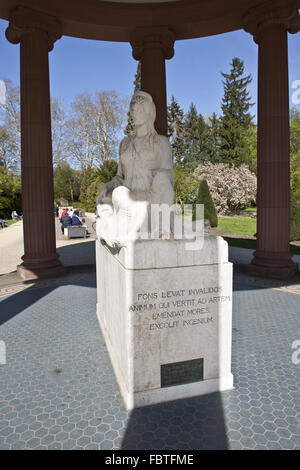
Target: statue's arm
166 161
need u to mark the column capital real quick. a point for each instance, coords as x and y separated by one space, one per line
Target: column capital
24 20
272 12
159 37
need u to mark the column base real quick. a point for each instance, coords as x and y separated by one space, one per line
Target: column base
269 264
38 267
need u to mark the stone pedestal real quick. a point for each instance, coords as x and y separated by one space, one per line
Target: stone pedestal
165 313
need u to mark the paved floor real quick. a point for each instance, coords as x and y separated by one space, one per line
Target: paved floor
58 391
57 388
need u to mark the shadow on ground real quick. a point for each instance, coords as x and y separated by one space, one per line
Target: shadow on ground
20 301
75 254
194 423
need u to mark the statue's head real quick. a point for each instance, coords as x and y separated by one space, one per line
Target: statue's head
142 109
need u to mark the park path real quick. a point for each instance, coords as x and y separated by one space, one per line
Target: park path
11 247
76 251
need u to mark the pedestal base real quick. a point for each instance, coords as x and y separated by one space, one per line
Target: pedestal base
165 314
36 268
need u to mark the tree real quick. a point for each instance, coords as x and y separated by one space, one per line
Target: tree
90 187
295 153
107 171
176 131
93 128
232 188
236 118
204 197
66 182
213 139
7 159
251 147
195 136
295 130
185 186
11 128
137 86
10 193
294 218
58 128
93 180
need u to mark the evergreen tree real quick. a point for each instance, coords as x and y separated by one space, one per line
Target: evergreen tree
137 86
107 171
176 131
204 197
67 182
213 139
195 134
251 147
236 118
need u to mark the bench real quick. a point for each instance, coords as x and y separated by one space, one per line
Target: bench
75 231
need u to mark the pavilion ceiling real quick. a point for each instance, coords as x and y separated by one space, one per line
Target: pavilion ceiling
115 21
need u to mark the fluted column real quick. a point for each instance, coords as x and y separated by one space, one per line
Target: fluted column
152 46
269 27
36 34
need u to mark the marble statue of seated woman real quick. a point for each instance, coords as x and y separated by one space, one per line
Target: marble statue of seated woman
144 177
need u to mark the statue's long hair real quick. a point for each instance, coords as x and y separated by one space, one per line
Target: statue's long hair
149 110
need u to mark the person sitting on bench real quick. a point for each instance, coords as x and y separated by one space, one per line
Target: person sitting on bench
75 218
66 221
3 223
14 215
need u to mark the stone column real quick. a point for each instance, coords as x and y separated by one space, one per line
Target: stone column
152 46
36 34
269 27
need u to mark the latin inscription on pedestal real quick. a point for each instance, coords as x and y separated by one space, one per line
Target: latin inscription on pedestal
179 308
178 373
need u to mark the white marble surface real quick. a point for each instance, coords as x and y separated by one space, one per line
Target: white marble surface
144 178
157 311
172 253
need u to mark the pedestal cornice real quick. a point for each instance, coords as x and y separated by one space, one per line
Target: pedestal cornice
160 37
24 20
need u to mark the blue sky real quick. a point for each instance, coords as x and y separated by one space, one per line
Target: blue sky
193 75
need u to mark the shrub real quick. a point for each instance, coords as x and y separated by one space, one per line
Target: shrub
204 197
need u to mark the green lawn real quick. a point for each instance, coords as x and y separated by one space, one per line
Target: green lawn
238 224
243 225
10 221
251 244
